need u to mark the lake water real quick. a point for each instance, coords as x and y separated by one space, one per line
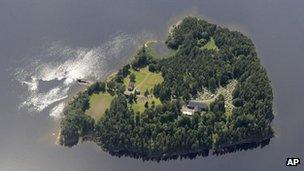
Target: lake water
45 45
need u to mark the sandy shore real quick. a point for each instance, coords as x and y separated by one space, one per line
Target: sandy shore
174 25
150 41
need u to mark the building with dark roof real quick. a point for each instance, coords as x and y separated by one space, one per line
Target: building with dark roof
197 106
131 86
194 106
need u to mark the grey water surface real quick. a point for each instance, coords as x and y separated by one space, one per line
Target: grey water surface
44 34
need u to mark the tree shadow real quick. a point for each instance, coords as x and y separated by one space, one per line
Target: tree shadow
191 155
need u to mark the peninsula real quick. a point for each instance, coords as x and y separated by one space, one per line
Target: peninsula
208 93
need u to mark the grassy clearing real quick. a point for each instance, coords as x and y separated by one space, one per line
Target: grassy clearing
144 79
150 45
153 52
98 105
208 97
211 45
140 105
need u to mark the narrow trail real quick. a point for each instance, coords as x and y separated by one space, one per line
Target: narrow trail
147 76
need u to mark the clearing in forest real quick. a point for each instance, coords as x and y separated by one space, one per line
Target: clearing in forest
208 97
151 47
98 104
139 106
211 45
144 80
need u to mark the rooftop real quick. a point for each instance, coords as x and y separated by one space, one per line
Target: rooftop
197 105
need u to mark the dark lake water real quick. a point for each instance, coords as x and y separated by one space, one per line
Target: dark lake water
46 44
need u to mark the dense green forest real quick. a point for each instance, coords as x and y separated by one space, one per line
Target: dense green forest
162 131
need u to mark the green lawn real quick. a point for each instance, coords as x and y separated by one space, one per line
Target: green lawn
151 49
155 54
140 105
211 45
144 79
98 104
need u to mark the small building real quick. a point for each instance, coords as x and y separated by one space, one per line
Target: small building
128 93
194 106
197 106
137 92
131 86
131 90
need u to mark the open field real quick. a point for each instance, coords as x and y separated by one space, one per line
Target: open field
144 79
140 105
208 97
98 104
150 45
211 45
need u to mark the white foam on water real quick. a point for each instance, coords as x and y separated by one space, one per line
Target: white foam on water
65 65
57 110
33 84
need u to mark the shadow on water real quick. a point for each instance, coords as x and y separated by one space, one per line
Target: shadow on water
191 155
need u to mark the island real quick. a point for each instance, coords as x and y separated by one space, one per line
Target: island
208 93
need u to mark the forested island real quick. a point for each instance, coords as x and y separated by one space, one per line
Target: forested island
208 93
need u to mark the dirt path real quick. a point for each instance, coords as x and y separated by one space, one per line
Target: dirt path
147 76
